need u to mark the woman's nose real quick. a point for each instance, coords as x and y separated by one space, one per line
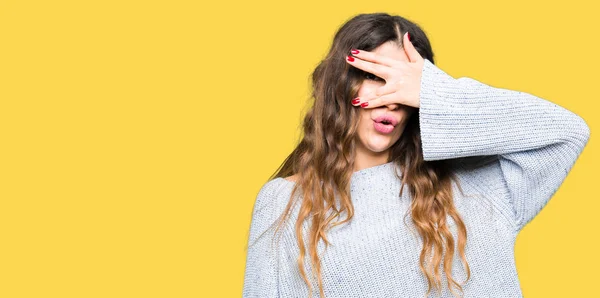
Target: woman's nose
393 106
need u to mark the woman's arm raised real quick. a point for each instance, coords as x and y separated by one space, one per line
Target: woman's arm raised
537 142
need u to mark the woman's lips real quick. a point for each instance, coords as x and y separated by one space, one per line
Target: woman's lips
388 118
383 128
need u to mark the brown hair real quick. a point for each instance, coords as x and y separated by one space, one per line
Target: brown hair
324 158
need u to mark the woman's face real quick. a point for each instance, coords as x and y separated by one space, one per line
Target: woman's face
372 141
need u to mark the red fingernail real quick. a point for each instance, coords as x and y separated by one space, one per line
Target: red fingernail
350 59
354 51
355 101
364 104
408 35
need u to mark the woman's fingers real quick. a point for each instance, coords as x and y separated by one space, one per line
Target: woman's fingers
383 100
402 78
385 92
379 70
374 57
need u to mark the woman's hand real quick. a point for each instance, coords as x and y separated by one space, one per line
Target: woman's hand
403 78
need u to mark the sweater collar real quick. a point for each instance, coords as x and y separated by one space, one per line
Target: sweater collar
373 170
380 175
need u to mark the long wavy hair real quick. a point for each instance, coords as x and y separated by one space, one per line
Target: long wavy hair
323 161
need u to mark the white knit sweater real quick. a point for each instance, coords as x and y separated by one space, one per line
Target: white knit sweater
532 144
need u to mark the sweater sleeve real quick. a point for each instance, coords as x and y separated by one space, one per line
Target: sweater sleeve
536 141
260 277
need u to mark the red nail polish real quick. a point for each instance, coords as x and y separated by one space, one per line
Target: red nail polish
354 51
351 59
355 101
364 104
408 35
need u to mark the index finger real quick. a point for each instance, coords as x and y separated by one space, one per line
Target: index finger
376 69
374 57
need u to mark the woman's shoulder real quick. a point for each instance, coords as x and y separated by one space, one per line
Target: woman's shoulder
272 191
271 200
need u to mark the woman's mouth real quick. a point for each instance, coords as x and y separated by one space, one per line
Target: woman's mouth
385 123
383 127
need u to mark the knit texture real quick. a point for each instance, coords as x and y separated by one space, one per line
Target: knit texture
527 146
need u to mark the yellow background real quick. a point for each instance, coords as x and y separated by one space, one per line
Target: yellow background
135 135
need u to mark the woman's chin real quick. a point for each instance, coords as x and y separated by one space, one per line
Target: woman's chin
379 143
376 141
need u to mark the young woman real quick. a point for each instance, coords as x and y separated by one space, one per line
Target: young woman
478 162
